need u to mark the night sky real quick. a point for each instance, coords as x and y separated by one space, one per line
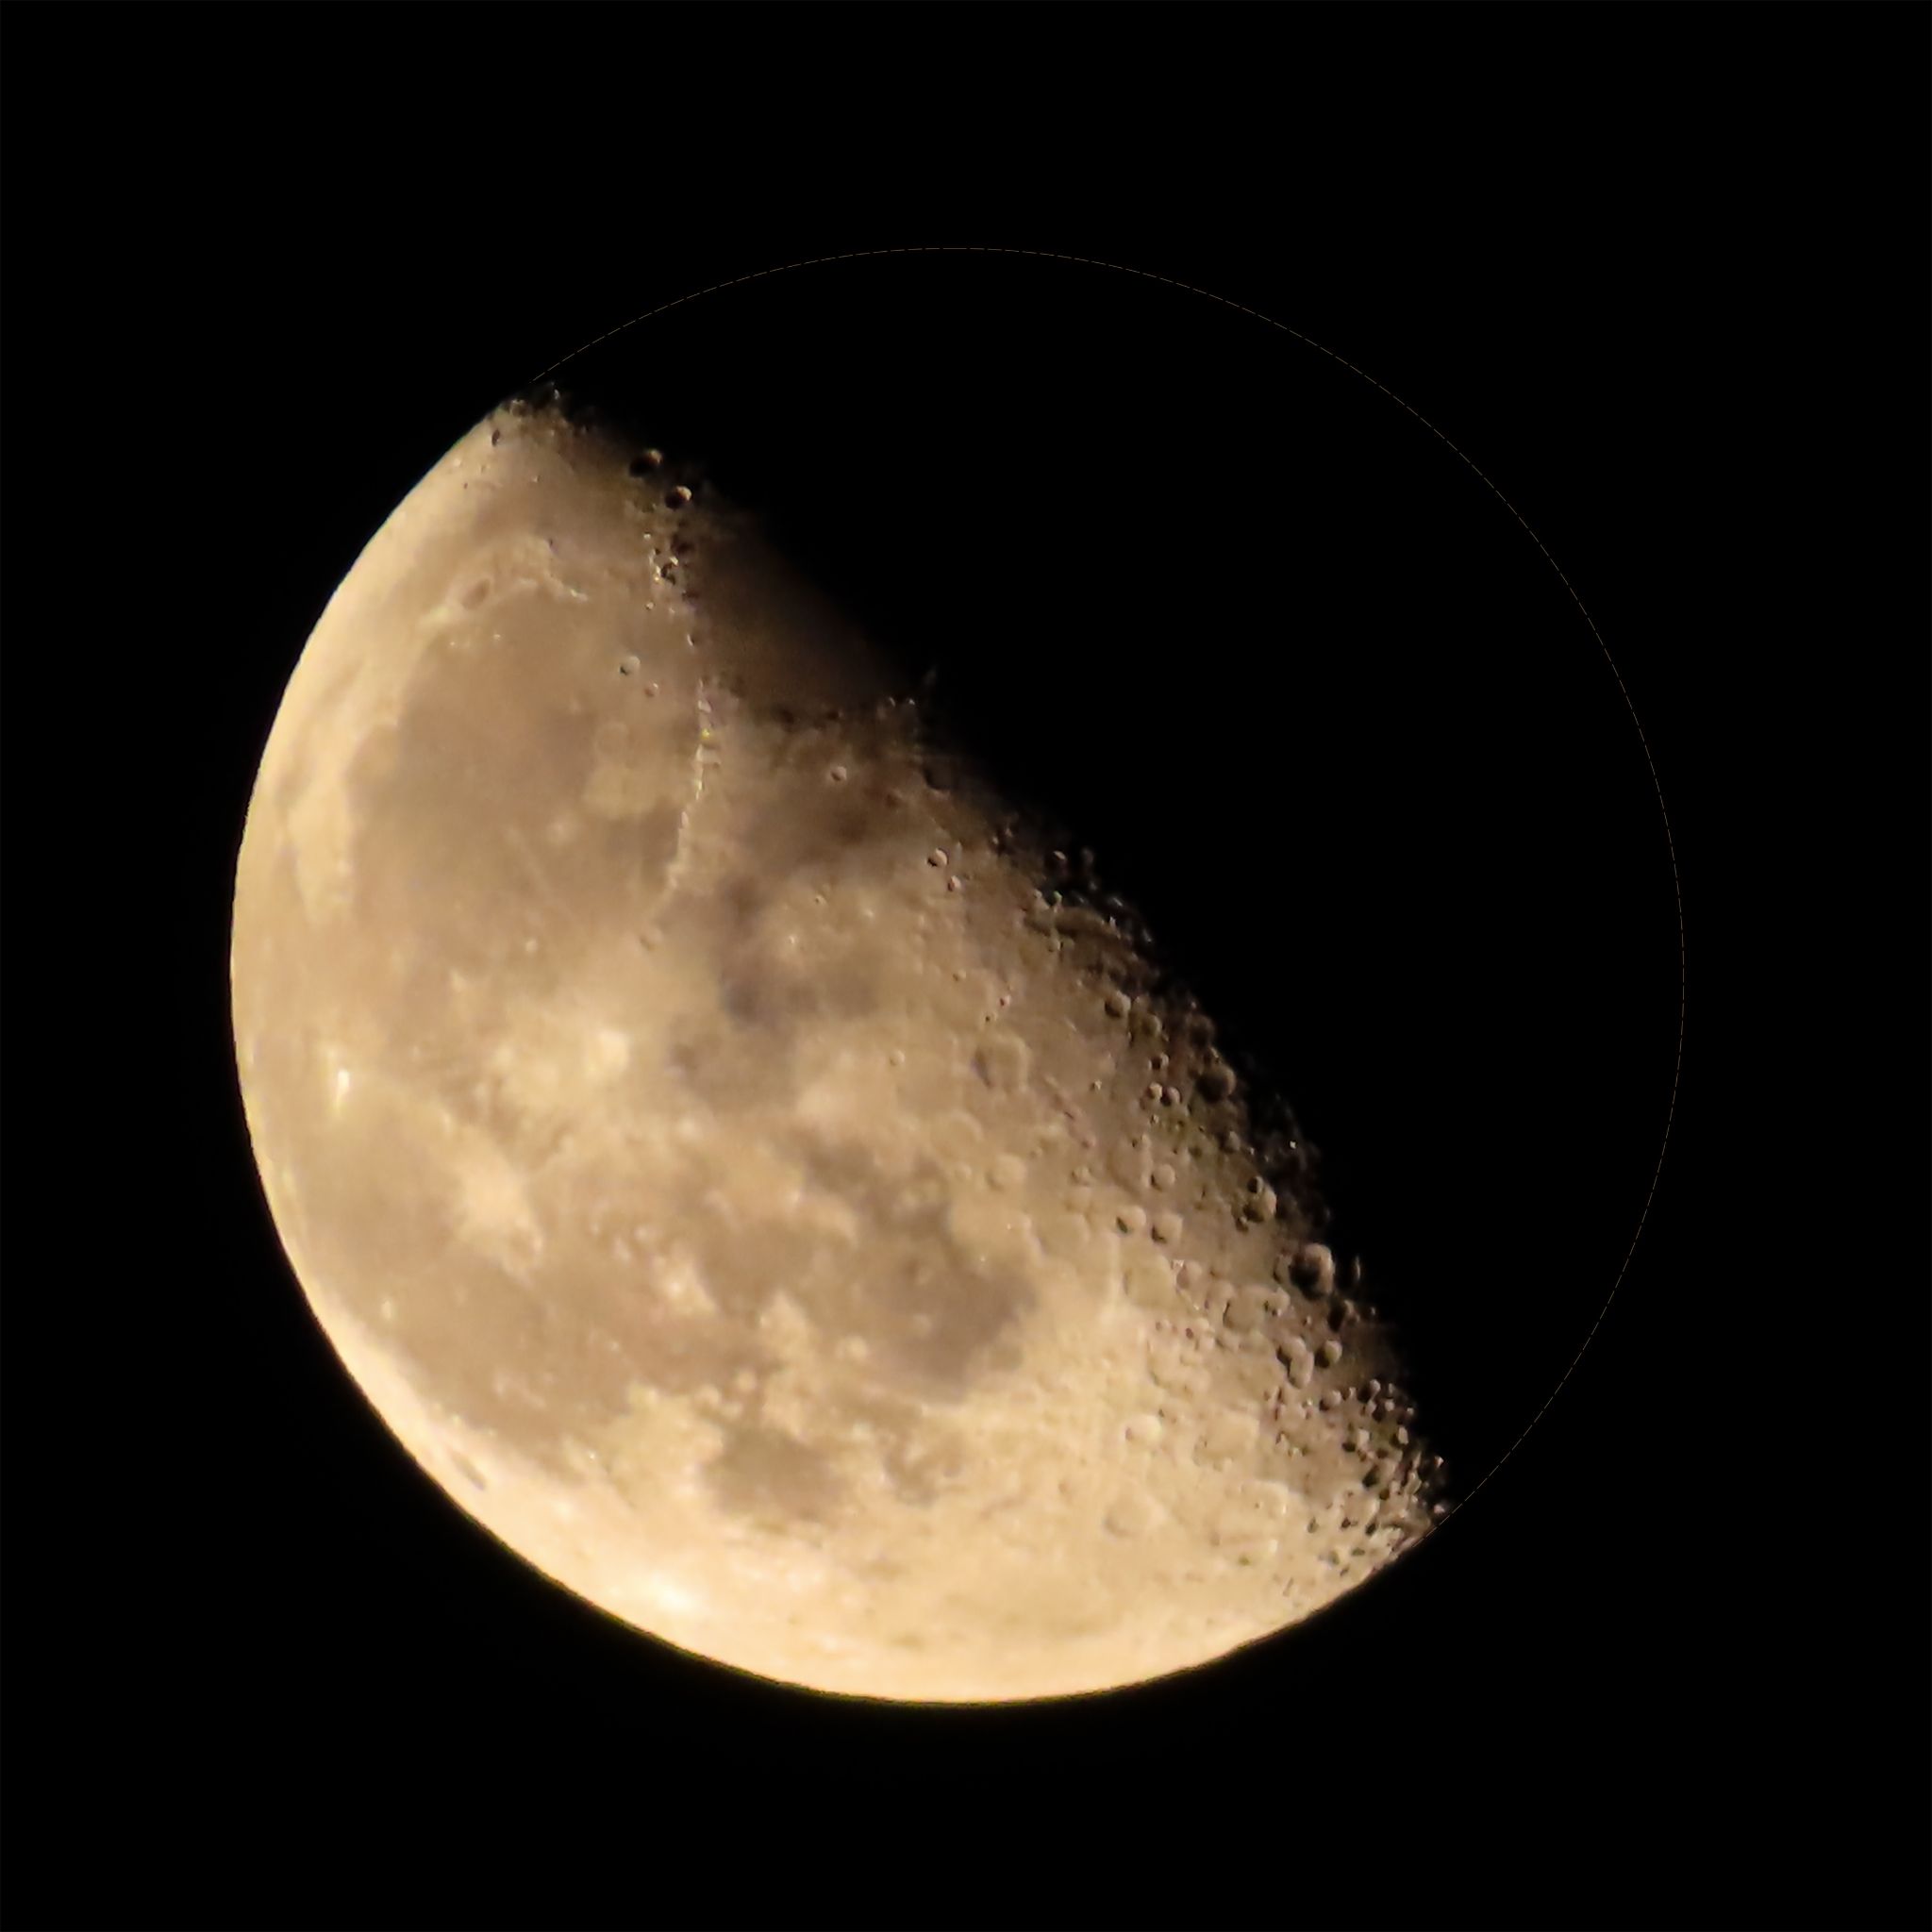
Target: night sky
1225 592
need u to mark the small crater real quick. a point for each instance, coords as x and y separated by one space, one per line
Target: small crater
1295 1359
1312 1271
1132 1514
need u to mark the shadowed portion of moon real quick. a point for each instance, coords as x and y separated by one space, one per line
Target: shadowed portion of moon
1253 630
763 1179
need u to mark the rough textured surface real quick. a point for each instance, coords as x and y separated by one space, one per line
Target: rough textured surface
740 1164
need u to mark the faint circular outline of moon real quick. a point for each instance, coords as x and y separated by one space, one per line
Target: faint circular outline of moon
679 1612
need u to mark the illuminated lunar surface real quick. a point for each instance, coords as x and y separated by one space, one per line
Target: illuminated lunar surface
750 1178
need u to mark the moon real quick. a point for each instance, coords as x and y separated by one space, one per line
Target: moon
764 1182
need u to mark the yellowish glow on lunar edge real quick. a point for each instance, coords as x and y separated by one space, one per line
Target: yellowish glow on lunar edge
729 1165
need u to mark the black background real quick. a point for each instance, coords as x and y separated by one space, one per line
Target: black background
1661 273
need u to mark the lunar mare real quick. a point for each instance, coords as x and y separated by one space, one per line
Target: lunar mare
739 1162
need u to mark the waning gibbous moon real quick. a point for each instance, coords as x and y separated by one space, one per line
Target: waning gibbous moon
744 1166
